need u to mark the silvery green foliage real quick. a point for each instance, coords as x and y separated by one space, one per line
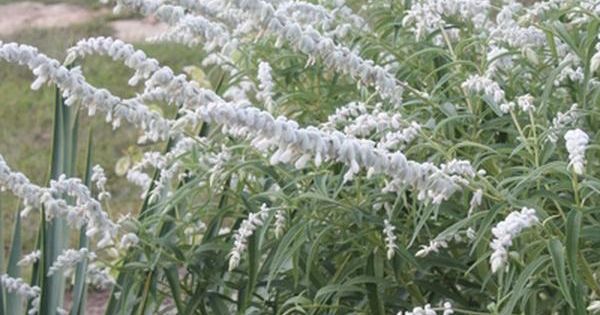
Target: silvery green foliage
22 289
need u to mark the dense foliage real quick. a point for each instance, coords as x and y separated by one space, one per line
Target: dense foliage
331 158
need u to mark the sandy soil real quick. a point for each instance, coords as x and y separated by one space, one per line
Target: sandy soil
16 17
137 30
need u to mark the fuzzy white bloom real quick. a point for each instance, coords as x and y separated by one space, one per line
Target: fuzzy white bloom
576 143
482 84
345 114
427 16
99 277
265 85
69 258
505 231
562 121
428 310
86 210
390 238
507 107
508 30
205 105
595 61
475 201
594 307
30 258
99 177
19 287
129 240
280 222
76 89
247 228
525 103
498 58
433 247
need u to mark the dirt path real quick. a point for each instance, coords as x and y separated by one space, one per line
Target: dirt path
20 16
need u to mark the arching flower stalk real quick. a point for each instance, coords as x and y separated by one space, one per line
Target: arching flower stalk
99 177
390 239
86 210
30 258
69 258
505 231
247 229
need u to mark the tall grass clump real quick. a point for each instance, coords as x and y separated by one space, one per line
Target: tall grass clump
409 157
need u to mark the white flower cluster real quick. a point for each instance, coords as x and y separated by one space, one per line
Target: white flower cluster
439 243
247 228
509 31
99 277
304 39
301 144
482 84
118 50
595 61
525 103
390 238
30 258
505 231
344 115
69 258
19 287
576 143
318 16
562 121
428 310
475 201
571 68
427 16
99 177
76 89
280 221
129 240
498 59
86 210
265 86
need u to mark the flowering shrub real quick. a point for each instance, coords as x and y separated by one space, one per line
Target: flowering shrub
410 157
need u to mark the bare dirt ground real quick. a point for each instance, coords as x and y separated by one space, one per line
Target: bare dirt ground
20 16
15 17
95 302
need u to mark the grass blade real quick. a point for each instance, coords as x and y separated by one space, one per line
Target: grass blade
14 303
80 287
558 261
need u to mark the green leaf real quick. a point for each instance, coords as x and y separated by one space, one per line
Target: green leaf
519 289
375 301
573 231
558 262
